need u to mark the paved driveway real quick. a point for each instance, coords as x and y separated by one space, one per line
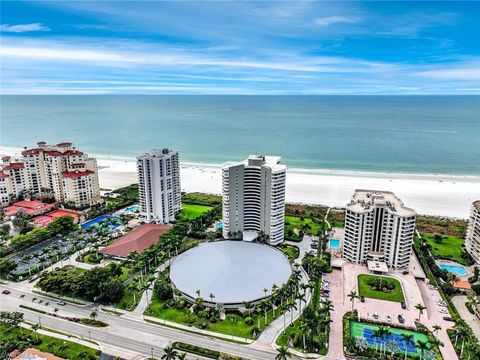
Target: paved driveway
472 320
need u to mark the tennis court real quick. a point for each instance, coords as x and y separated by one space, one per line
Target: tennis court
366 331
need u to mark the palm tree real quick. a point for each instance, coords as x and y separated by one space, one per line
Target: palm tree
211 296
170 353
82 355
436 328
420 309
353 295
182 356
422 346
283 354
453 278
407 340
34 328
302 330
63 347
93 315
198 293
265 290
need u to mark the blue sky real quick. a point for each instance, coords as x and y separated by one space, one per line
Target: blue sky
247 47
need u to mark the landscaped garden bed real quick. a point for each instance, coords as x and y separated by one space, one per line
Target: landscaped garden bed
380 287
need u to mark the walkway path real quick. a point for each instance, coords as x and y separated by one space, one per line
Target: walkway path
147 294
459 302
270 334
335 342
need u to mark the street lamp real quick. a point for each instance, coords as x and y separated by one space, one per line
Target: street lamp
151 350
90 335
39 321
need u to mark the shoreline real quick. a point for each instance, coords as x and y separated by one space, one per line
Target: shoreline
429 194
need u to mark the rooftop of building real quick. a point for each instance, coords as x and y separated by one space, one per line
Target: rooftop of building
136 240
477 204
30 207
272 162
34 354
367 200
157 153
14 166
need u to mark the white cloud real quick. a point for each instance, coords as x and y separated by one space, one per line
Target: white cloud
20 28
464 73
331 20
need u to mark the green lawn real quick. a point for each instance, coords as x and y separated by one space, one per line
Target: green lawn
234 324
290 251
191 211
357 329
365 290
50 344
295 222
449 248
127 303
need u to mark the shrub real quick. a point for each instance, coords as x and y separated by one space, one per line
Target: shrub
248 321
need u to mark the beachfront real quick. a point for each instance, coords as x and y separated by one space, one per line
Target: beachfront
441 195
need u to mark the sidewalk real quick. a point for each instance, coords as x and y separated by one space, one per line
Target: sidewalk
274 329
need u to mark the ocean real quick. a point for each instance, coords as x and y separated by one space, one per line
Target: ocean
402 134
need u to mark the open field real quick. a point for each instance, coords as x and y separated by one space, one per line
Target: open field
366 290
449 248
191 211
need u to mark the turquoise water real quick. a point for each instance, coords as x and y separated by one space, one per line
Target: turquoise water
98 220
131 209
334 244
457 269
409 134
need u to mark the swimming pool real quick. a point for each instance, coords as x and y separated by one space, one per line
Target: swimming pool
98 220
334 244
131 209
460 270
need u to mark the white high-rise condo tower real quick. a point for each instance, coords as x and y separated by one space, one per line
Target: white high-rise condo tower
472 241
378 227
253 195
159 185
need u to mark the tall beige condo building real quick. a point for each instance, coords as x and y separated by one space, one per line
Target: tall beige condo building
159 189
69 174
378 227
253 196
472 241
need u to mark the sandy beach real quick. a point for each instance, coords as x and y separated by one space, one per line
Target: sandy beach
442 195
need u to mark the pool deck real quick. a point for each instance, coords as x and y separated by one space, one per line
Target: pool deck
453 263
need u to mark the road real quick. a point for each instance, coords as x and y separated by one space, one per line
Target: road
124 333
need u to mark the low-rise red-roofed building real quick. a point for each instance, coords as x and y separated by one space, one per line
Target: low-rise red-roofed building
47 218
29 207
136 240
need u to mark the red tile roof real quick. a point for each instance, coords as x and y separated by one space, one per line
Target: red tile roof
61 212
30 207
464 285
13 166
31 352
137 240
42 220
6 158
31 151
3 175
77 174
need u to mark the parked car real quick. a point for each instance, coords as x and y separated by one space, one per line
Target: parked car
362 299
404 306
6 292
401 319
447 318
61 303
375 315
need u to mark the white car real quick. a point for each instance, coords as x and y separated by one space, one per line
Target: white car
389 319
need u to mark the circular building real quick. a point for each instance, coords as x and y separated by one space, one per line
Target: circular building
232 271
